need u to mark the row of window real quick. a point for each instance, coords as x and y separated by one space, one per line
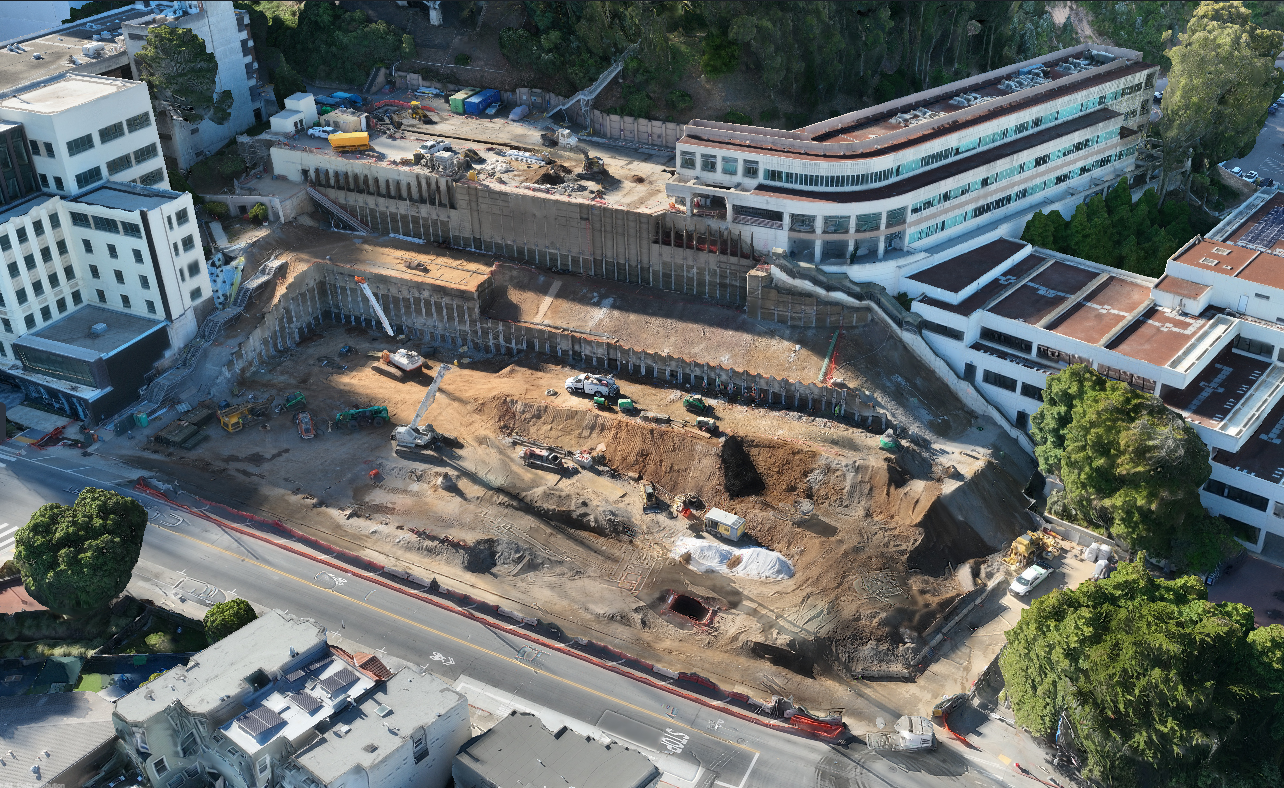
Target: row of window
1006 383
38 286
20 232
122 163
106 134
46 314
106 225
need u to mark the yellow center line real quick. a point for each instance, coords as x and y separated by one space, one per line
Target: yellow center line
468 644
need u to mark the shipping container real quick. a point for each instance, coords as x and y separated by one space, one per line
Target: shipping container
457 100
354 140
479 102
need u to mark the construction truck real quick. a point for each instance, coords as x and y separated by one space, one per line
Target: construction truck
696 404
356 418
909 734
547 459
415 437
346 142
1028 547
707 425
234 417
593 385
400 366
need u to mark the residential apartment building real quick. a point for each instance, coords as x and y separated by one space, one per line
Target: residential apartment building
1207 338
226 32
86 218
274 705
865 192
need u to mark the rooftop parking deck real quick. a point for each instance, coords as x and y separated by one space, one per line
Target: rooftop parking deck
1213 395
1101 311
1044 293
1157 336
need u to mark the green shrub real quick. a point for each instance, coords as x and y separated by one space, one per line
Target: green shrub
216 209
736 116
225 618
463 59
258 214
769 114
721 56
679 100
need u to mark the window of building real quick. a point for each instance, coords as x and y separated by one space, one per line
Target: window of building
142 280
945 331
80 144
2 303
120 277
46 314
152 178
75 298
730 165
138 256
145 153
61 303
119 164
138 122
89 176
263 764
21 294
5 243
419 746
194 268
69 272
751 168
13 269
113 132
687 160
61 245
836 224
102 297
21 232
111 252
29 321
93 271
44 181
124 301
49 149
189 243
54 222
708 162
1254 347
195 294
54 282
175 245
181 217
1251 500
103 224
37 288
79 219
6 325
1007 340
46 254
30 260
151 307
1000 381
1033 392
131 229
35 148
58 184
89 247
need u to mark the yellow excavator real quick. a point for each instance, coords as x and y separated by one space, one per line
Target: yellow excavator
1027 547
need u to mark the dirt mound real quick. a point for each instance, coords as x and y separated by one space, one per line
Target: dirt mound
486 554
577 510
740 476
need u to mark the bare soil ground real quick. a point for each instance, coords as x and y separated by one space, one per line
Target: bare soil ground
881 544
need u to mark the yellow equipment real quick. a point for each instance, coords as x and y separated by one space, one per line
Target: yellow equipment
234 418
417 111
352 140
1026 548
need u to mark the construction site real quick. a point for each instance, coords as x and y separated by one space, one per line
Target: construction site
803 496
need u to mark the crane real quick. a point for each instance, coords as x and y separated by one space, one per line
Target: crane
412 436
361 281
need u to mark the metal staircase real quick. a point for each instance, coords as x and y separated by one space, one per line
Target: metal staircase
336 212
585 97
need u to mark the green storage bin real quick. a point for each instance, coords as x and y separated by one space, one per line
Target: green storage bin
140 419
457 100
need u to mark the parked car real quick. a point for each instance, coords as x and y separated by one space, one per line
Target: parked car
303 420
322 131
1030 578
1250 176
1272 109
1237 172
1159 95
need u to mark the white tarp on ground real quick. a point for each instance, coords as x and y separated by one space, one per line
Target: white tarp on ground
756 563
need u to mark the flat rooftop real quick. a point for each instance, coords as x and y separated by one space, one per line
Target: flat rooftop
68 725
992 289
1261 455
1182 288
1214 393
127 197
519 750
404 703
956 273
1267 269
57 45
1217 256
24 206
71 90
1276 201
1044 293
74 329
1102 310
1157 336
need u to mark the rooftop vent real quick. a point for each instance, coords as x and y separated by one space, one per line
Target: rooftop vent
383 711
97 329
371 747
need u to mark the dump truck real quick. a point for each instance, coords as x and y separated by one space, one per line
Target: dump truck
350 141
909 734
303 421
355 418
400 366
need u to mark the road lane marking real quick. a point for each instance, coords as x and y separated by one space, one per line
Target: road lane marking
461 642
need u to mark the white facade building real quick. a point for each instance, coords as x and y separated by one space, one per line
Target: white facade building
300 114
864 193
274 705
1207 338
226 33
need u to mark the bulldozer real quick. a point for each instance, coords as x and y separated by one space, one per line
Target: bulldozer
1026 548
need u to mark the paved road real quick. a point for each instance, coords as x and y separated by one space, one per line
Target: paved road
1267 156
716 749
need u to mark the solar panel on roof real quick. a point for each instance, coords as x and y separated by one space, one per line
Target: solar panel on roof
1267 231
295 676
304 701
251 724
319 665
339 680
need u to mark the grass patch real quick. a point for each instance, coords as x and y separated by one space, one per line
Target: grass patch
90 682
49 648
213 174
162 637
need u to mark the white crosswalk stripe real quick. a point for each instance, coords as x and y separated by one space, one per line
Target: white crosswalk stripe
6 537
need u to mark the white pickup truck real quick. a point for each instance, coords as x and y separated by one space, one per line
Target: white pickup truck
593 385
1030 578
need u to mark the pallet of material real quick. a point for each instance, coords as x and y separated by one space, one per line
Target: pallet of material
178 434
199 415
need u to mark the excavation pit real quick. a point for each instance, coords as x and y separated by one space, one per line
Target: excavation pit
689 607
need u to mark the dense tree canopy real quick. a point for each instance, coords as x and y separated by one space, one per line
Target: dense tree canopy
76 559
225 618
1115 231
1223 79
1159 686
181 73
1131 466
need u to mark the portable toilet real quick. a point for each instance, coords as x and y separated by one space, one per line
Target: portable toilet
457 100
724 524
477 103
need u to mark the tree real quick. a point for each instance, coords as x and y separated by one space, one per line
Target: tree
1131 466
175 65
1223 79
258 214
286 82
76 559
1158 685
225 618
